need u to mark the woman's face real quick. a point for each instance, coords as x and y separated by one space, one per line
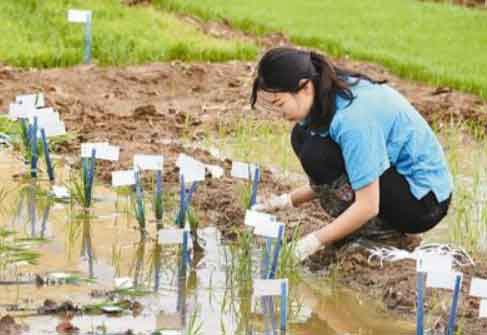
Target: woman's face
292 106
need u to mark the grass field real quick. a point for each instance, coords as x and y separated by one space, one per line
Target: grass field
36 34
437 43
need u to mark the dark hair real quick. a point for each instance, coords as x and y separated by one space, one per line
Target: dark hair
281 69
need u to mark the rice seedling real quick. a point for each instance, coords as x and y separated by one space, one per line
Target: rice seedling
185 198
195 325
31 146
81 188
14 250
139 204
288 266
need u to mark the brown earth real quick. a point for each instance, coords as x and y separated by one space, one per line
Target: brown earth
481 4
148 108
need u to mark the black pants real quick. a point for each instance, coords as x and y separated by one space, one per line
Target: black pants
323 162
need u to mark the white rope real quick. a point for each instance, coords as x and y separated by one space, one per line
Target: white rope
392 254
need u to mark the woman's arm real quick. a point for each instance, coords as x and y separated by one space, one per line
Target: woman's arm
365 207
301 195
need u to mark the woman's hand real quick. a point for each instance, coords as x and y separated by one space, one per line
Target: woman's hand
365 207
287 200
274 202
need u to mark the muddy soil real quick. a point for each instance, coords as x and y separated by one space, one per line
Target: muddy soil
480 4
149 108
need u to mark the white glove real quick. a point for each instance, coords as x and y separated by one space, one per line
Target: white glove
275 202
307 246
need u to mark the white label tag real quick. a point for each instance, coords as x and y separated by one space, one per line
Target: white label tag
103 151
243 170
32 100
171 236
44 116
123 178
444 280
19 111
148 162
55 129
192 169
436 263
86 148
478 288
109 153
483 308
78 16
253 218
267 287
268 229
60 192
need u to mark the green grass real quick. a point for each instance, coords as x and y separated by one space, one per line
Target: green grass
436 43
36 34
466 222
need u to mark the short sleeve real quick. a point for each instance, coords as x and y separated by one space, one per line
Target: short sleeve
364 152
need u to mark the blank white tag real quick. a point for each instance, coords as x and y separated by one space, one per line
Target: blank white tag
148 162
268 229
436 263
19 111
33 100
103 151
55 129
43 115
171 236
192 169
241 170
109 153
483 308
253 218
78 16
60 192
86 148
123 178
478 288
444 280
267 287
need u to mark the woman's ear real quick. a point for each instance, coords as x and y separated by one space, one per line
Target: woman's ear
308 87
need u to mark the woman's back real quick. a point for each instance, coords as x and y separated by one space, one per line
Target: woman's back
381 128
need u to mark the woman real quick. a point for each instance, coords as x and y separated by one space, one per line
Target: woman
369 155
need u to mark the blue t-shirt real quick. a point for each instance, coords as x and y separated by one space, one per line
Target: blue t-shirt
380 128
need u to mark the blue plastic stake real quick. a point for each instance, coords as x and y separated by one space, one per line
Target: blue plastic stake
158 182
420 278
182 198
90 177
50 170
454 304
277 249
33 166
185 251
87 52
284 295
158 207
255 186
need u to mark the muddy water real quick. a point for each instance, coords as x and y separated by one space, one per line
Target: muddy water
206 300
